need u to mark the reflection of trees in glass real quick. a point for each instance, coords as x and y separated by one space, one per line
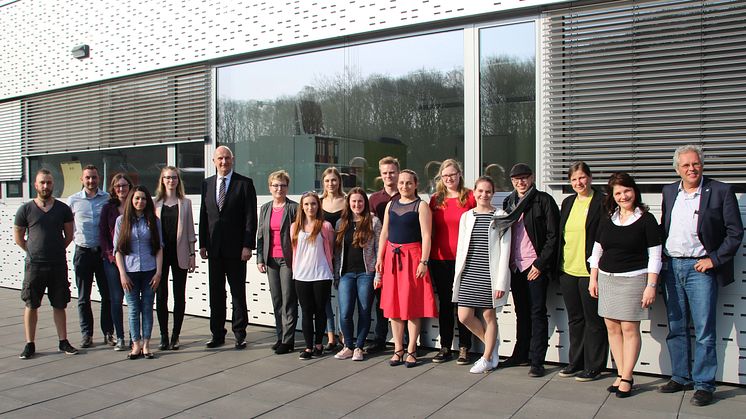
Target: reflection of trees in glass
508 110
422 109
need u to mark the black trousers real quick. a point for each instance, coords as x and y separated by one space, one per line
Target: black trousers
532 324
235 271
381 330
442 272
170 262
589 345
312 296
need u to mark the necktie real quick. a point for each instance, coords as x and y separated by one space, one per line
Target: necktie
221 194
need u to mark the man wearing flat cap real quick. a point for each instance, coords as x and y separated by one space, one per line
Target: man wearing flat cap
534 219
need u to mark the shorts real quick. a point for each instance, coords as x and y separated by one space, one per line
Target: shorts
46 276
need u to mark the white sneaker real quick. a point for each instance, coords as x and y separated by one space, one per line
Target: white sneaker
495 356
345 353
481 366
357 355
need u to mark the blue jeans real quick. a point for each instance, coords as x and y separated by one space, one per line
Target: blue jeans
88 263
140 302
116 296
691 295
355 287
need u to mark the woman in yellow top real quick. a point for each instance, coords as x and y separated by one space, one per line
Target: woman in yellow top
579 217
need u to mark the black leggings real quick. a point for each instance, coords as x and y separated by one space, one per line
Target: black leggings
161 295
312 296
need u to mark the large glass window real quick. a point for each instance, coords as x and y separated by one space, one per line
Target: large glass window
190 159
507 87
142 164
346 107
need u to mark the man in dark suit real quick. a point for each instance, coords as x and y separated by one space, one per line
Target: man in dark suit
227 236
702 228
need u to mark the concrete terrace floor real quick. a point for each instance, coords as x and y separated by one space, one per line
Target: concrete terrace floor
194 382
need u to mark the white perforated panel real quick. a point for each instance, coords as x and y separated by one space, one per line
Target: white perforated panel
731 326
129 37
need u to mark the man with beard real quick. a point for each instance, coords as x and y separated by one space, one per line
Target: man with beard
49 224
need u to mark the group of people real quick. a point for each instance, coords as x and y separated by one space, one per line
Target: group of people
125 240
400 260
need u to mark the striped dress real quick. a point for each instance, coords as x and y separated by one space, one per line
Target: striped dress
475 289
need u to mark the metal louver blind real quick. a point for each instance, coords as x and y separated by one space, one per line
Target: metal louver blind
627 82
11 164
159 108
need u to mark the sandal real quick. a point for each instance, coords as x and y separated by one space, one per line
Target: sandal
134 356
414 363
624 394
148 355
612 388
399 358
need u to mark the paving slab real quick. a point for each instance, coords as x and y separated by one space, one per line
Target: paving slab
198 383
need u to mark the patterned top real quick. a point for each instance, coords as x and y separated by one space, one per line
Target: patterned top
476 287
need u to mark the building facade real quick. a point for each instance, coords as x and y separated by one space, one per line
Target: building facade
303 85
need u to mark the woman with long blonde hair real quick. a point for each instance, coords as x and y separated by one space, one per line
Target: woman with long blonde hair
177 224
451 200
332 205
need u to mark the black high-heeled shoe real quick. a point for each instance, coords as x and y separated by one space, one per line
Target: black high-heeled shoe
399 358
624 394
413 363
612 388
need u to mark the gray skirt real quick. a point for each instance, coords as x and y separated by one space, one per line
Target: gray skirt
620 297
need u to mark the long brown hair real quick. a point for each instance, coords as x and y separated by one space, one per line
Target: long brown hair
441 191
129 218
364 230
300 219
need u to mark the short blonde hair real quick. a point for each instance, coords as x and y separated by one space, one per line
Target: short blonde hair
389 160
281 175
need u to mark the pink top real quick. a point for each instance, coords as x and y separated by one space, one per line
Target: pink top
275 224
522 252
445 226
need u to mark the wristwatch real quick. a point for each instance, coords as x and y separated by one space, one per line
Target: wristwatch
652 285
424 261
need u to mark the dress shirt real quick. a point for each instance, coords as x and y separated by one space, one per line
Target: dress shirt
683 240
87 211
219 179
140 257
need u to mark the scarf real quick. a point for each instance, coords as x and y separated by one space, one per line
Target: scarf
515 208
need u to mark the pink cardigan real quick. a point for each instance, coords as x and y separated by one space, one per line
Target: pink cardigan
327 234
185 237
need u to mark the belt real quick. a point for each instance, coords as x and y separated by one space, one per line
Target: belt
89 249
687 257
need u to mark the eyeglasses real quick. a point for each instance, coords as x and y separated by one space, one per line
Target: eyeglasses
122 186
520 179
278 186
449 176
170 177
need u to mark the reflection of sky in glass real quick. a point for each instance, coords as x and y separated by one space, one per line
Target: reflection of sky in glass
270 79
522 41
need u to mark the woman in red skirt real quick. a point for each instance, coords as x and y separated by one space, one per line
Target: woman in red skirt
407 292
